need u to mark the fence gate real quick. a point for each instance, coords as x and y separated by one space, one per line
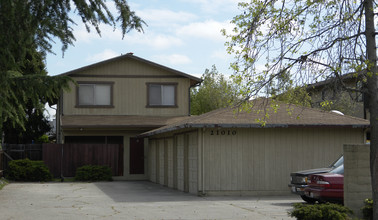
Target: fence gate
64 159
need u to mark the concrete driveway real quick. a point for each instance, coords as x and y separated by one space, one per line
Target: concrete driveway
130 200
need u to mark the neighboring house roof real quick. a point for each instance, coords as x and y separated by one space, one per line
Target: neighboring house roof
333 80
117 121
193 80
286 116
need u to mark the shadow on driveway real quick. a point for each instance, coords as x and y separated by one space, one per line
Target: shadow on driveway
143 191
131 200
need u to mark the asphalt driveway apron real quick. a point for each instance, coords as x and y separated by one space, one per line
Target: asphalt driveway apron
130 200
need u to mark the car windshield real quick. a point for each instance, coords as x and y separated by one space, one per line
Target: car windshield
338 162
338 170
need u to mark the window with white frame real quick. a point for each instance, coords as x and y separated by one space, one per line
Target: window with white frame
161 95
94 94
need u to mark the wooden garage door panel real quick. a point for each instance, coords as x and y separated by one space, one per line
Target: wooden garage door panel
180 162
193 163
152 160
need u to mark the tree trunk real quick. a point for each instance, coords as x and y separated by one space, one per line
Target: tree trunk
372 83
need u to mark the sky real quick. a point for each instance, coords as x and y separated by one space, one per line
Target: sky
181 34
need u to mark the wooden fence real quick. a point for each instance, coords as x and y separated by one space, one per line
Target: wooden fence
64 159
19 151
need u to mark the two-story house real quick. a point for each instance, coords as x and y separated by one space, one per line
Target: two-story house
117 99
144 108
348 102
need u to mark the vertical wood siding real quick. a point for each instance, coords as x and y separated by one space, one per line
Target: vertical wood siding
262 159
161 162
157 161
169 143
180 162
130 90
64 159
192 163
186 163
177 162
152 160
166 174
174 161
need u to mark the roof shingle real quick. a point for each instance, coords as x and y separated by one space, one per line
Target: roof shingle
285 115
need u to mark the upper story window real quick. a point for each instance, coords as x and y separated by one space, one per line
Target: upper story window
162 94
95 94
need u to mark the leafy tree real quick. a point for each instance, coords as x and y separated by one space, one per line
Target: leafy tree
282 89
29 26
35 124
215 92
295 95
313 40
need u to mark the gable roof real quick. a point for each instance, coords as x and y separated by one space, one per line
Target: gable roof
349 77
285 116
193 80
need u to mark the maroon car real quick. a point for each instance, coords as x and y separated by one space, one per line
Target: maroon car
327 187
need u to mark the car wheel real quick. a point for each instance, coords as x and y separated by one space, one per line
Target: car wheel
308 199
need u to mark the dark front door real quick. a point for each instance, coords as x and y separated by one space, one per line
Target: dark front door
136 156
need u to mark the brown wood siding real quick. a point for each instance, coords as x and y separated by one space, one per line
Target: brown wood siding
261 160
137 155
66 158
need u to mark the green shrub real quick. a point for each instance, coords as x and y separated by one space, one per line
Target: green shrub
28 170
93 173
43 139
327 211
367 210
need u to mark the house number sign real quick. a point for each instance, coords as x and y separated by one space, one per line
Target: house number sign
222 132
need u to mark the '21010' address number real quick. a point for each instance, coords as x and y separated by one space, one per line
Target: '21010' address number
223 132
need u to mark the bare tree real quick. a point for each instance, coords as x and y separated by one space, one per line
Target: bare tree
312 40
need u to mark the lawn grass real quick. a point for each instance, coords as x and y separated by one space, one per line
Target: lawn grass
3 182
